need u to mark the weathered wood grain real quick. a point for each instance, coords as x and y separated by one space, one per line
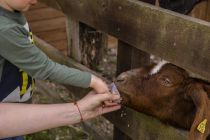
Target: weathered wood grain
38 6
47 25
200 10
208 12
43 14
73 30
142 127
61 45
53 35
180 39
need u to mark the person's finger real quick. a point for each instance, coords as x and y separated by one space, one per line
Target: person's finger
110 109
106 91
107 97
111 103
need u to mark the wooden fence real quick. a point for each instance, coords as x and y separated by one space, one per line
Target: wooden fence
141 29
45 23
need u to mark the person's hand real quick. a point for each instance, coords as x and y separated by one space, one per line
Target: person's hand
92 105
98 85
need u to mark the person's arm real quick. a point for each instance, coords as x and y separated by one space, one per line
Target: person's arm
19 119
18 50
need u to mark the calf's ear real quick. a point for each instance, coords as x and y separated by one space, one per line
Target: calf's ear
200 98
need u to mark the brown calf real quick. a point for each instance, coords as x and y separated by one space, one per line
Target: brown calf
169 94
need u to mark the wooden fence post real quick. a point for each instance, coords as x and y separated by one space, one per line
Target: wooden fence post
85 44
128 57
208 12
124 57
92 46
200 10
119 135
73 49
139 58
124 52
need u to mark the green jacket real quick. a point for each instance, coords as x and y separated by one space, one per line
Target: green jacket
18 50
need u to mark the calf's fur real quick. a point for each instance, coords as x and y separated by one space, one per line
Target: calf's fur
170 95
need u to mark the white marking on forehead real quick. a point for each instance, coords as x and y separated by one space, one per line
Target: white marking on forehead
157 68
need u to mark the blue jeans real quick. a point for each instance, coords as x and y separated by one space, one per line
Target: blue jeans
14 138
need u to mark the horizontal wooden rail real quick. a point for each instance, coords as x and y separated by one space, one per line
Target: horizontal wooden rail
136 125
180 39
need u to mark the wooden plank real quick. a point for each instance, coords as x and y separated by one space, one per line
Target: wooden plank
177 38
53 35
42 14
200 10
136 125
86 45
49 24
143 127
60 44
53 3
45 90
129 57
119 135
39 18
38 6
92 46
112 42
139 58
124 54
124 61
208 11
95 132
73 39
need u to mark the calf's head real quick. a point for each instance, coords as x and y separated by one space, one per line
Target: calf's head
143 88
170 94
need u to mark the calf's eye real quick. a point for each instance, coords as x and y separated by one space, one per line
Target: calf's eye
165 81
